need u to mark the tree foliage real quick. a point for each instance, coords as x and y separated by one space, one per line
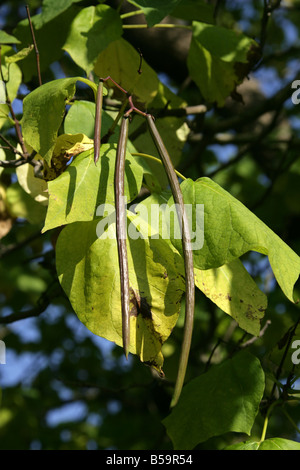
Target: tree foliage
221 79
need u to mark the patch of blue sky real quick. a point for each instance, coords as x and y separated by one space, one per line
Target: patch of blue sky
20 368
224 153
70 412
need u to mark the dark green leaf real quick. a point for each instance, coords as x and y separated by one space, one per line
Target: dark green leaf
224 399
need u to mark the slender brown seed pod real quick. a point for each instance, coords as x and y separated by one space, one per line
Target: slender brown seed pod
188 258
98 120
121 232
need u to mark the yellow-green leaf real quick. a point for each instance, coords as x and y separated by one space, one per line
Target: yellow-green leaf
234 291
87 267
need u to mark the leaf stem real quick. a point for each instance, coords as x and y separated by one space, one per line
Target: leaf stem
266 421
131 13
160 25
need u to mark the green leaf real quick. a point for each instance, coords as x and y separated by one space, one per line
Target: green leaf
93 29
155 10
173 131
224 399
21 204
43 113
11 73
4 110
2 158
230 286
276 443
87 268
6 38
50 38
234 291
123 69
75 195
51 9
81 119
213 59
36 187
230 230
22 54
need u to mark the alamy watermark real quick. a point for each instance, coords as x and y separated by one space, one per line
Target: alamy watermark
2 352
2 92
296 94
154 221
296 354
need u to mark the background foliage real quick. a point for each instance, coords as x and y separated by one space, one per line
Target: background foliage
63 387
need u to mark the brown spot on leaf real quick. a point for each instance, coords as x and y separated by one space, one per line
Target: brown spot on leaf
228 297
140 305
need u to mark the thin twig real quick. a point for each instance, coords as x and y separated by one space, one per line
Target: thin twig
11 147
255 338
16 122
37 54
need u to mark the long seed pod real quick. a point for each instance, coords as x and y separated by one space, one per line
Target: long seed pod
121 232
98 120
188 258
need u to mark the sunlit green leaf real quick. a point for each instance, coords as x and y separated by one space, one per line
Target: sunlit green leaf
230 230
21 204
87 269
6 38
93 29
229 286
51 9
124 70
76 194
232 288
276 443
213 57
81 119
43 113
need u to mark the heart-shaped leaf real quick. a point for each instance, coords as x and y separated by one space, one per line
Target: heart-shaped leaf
228 230
87 267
